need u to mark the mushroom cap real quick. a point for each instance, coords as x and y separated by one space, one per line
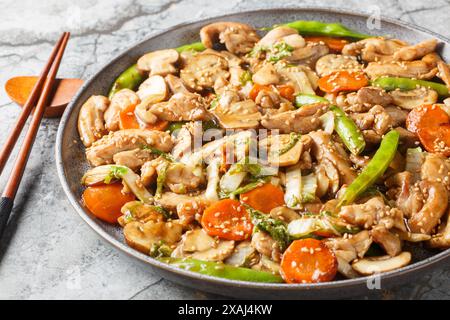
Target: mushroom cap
160 62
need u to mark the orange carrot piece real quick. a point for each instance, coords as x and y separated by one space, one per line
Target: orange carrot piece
227 219
256 89
335 44
106 200
307 261
286 91
343 81
128 120
264 198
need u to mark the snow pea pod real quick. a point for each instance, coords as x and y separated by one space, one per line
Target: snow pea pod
303 99
392 83
196 46
324 29
221 270
374 169
129 79
348 131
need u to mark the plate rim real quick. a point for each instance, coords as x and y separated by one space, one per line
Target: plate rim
416 267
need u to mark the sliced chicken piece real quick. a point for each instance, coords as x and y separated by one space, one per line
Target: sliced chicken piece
374 49
91 124
436 168
239 38
377 119
238 115
408 198
325 151
183 179
202 70
139 211
170 200
352 247
407 138
436 200
181 107
411 99
197 244
266 75
416 51
417 69
182 144
102 151
398 116
142 236
134 158
121 100
337 62
266 245
367 214
388 240
303 120
175 84
160 62
444 73
442 238
269 100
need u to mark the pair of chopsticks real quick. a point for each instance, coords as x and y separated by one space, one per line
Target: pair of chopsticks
45 82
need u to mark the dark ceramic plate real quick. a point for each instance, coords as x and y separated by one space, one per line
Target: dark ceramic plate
71 161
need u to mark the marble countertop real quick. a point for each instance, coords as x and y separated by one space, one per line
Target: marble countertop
48 252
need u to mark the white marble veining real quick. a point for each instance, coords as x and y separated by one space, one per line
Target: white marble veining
48 251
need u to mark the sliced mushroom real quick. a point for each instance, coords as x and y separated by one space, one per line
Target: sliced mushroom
416 51
154 85
275 35
143 110
411 99
369 266
160 62
238 115
121 100
370 96
266 75
433 209
308 55
102 151
239 38
202 70
285 149
337 62
139 211
418 69
91 124
374 49
301 78
284 214
303 120
197 244
181 107
142 236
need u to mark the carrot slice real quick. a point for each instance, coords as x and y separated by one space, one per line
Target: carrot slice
428 115
307 261
436 139
128 120
256 89
227 219
342 81
106 200
335 44
264 198
286 91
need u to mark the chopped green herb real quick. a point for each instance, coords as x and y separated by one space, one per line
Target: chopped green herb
245 77
279 51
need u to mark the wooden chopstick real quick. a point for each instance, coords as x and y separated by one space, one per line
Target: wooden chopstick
26 110
7 200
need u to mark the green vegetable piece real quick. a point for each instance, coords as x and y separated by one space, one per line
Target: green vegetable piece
174 126
348 131
250 186
221 270
374 169
392 83
304 99
116 173
293 139
210 124
277 229
279 51
196 46
325 29
160 180
160 249
158 152
245 77
129 79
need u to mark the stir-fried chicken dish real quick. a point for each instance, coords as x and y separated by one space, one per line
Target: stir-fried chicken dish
306 153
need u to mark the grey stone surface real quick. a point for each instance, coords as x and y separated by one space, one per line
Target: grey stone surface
48 251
